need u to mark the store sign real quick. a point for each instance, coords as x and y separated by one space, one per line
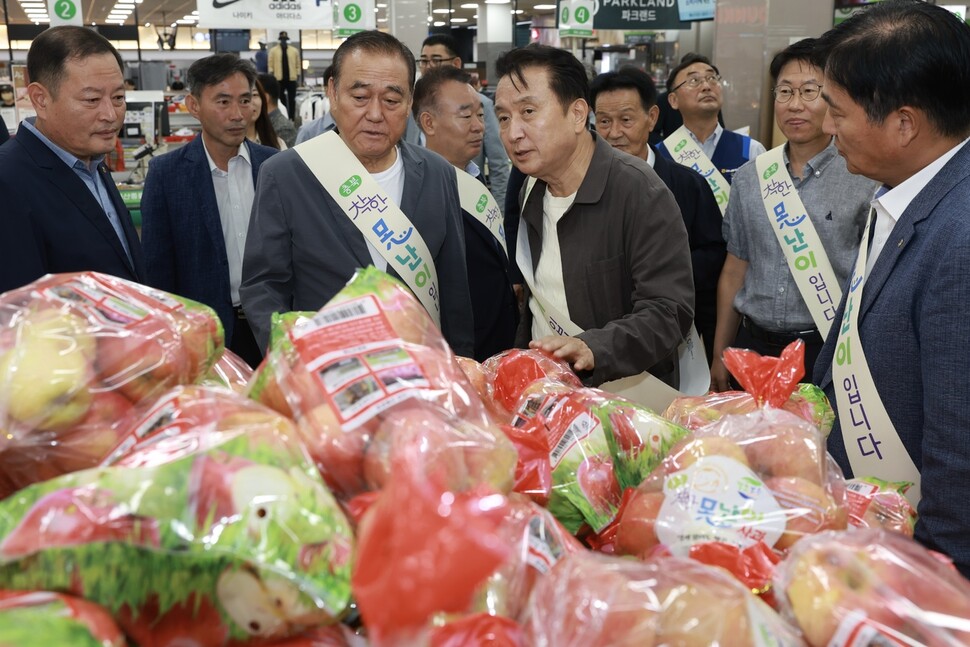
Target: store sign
65 12
352 16
696 9
639 14
268 14
576 18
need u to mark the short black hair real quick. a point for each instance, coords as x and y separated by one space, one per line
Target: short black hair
446 40
50 52
375 42
428 86
567 76
626 78
903 53
688 59
215 69
804 51
271 86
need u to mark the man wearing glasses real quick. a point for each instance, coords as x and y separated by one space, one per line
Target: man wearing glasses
694 88
441 49
792 227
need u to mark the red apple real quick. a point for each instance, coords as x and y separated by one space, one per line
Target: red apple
90 442
636 532
788 450
598 482
808 507
691 449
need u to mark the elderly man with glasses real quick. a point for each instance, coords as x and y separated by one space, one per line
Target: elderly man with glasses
694 88
792 227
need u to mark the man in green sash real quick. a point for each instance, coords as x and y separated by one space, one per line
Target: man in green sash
450 114
897 83
601 242
394 205
758 287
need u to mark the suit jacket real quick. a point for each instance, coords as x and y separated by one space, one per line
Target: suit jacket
914 329
493 303
302 248
702 217
51 221
626 266
185 249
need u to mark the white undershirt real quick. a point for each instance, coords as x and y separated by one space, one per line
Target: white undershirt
392 181
890 205
234 198
548 276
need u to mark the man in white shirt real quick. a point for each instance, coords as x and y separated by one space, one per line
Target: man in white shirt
450 114
897 83
198 199
694 88
612 292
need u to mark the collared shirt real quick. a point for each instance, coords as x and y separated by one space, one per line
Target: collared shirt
891 204
837 203
710 144
234 197
651 156
92 180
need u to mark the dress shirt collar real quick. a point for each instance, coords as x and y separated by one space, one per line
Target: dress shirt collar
472 169
243 152
715 136
651 156
894 201
68 158
817 164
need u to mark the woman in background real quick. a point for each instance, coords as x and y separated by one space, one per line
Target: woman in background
261 129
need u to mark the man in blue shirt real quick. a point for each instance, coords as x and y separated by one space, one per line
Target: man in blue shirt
63 212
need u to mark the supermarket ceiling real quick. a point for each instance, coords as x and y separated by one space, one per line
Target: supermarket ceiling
163 13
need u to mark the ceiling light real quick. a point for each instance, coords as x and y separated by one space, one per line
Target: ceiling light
33 4
475 16
382 20
195 13
498 1
125 5
518 11
438 23
382 5
185 22
544 7
459 20
442 11
470 5
148 24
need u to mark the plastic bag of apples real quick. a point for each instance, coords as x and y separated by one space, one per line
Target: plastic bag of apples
752 483
209 525
29 618
593 599
873 587
370 363
79 350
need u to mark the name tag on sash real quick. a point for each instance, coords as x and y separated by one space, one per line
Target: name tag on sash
643 388
871 442
479 202
800 242
685 151
379 220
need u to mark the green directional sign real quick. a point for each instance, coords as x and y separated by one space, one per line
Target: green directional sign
582 15
353 16
352 13
64 12
576 18
65 9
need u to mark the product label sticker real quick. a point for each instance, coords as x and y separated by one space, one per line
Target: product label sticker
857 630
361 365
718 499
544 549
582 426
858 497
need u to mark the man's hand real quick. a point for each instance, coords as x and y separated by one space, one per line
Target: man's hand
720 378
572 349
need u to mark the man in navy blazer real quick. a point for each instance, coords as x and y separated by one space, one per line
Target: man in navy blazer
897 83
198 199
624 104
62 211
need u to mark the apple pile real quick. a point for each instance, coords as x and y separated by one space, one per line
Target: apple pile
369 363
208 524
599 444
764 477
593 599
870 586
77 351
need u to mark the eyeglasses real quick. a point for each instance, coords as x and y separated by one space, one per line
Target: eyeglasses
807 92
694 82
434 61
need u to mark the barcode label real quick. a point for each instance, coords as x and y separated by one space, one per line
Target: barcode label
339 313
581 427
353 311
862 487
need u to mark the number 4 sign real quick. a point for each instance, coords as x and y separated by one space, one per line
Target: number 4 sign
65 12
352 16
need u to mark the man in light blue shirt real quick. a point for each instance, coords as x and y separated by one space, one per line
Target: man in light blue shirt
63 212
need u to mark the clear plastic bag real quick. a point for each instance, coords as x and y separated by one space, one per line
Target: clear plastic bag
230 372
209 523
593 599
875 503
34 618
872 587
510 373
